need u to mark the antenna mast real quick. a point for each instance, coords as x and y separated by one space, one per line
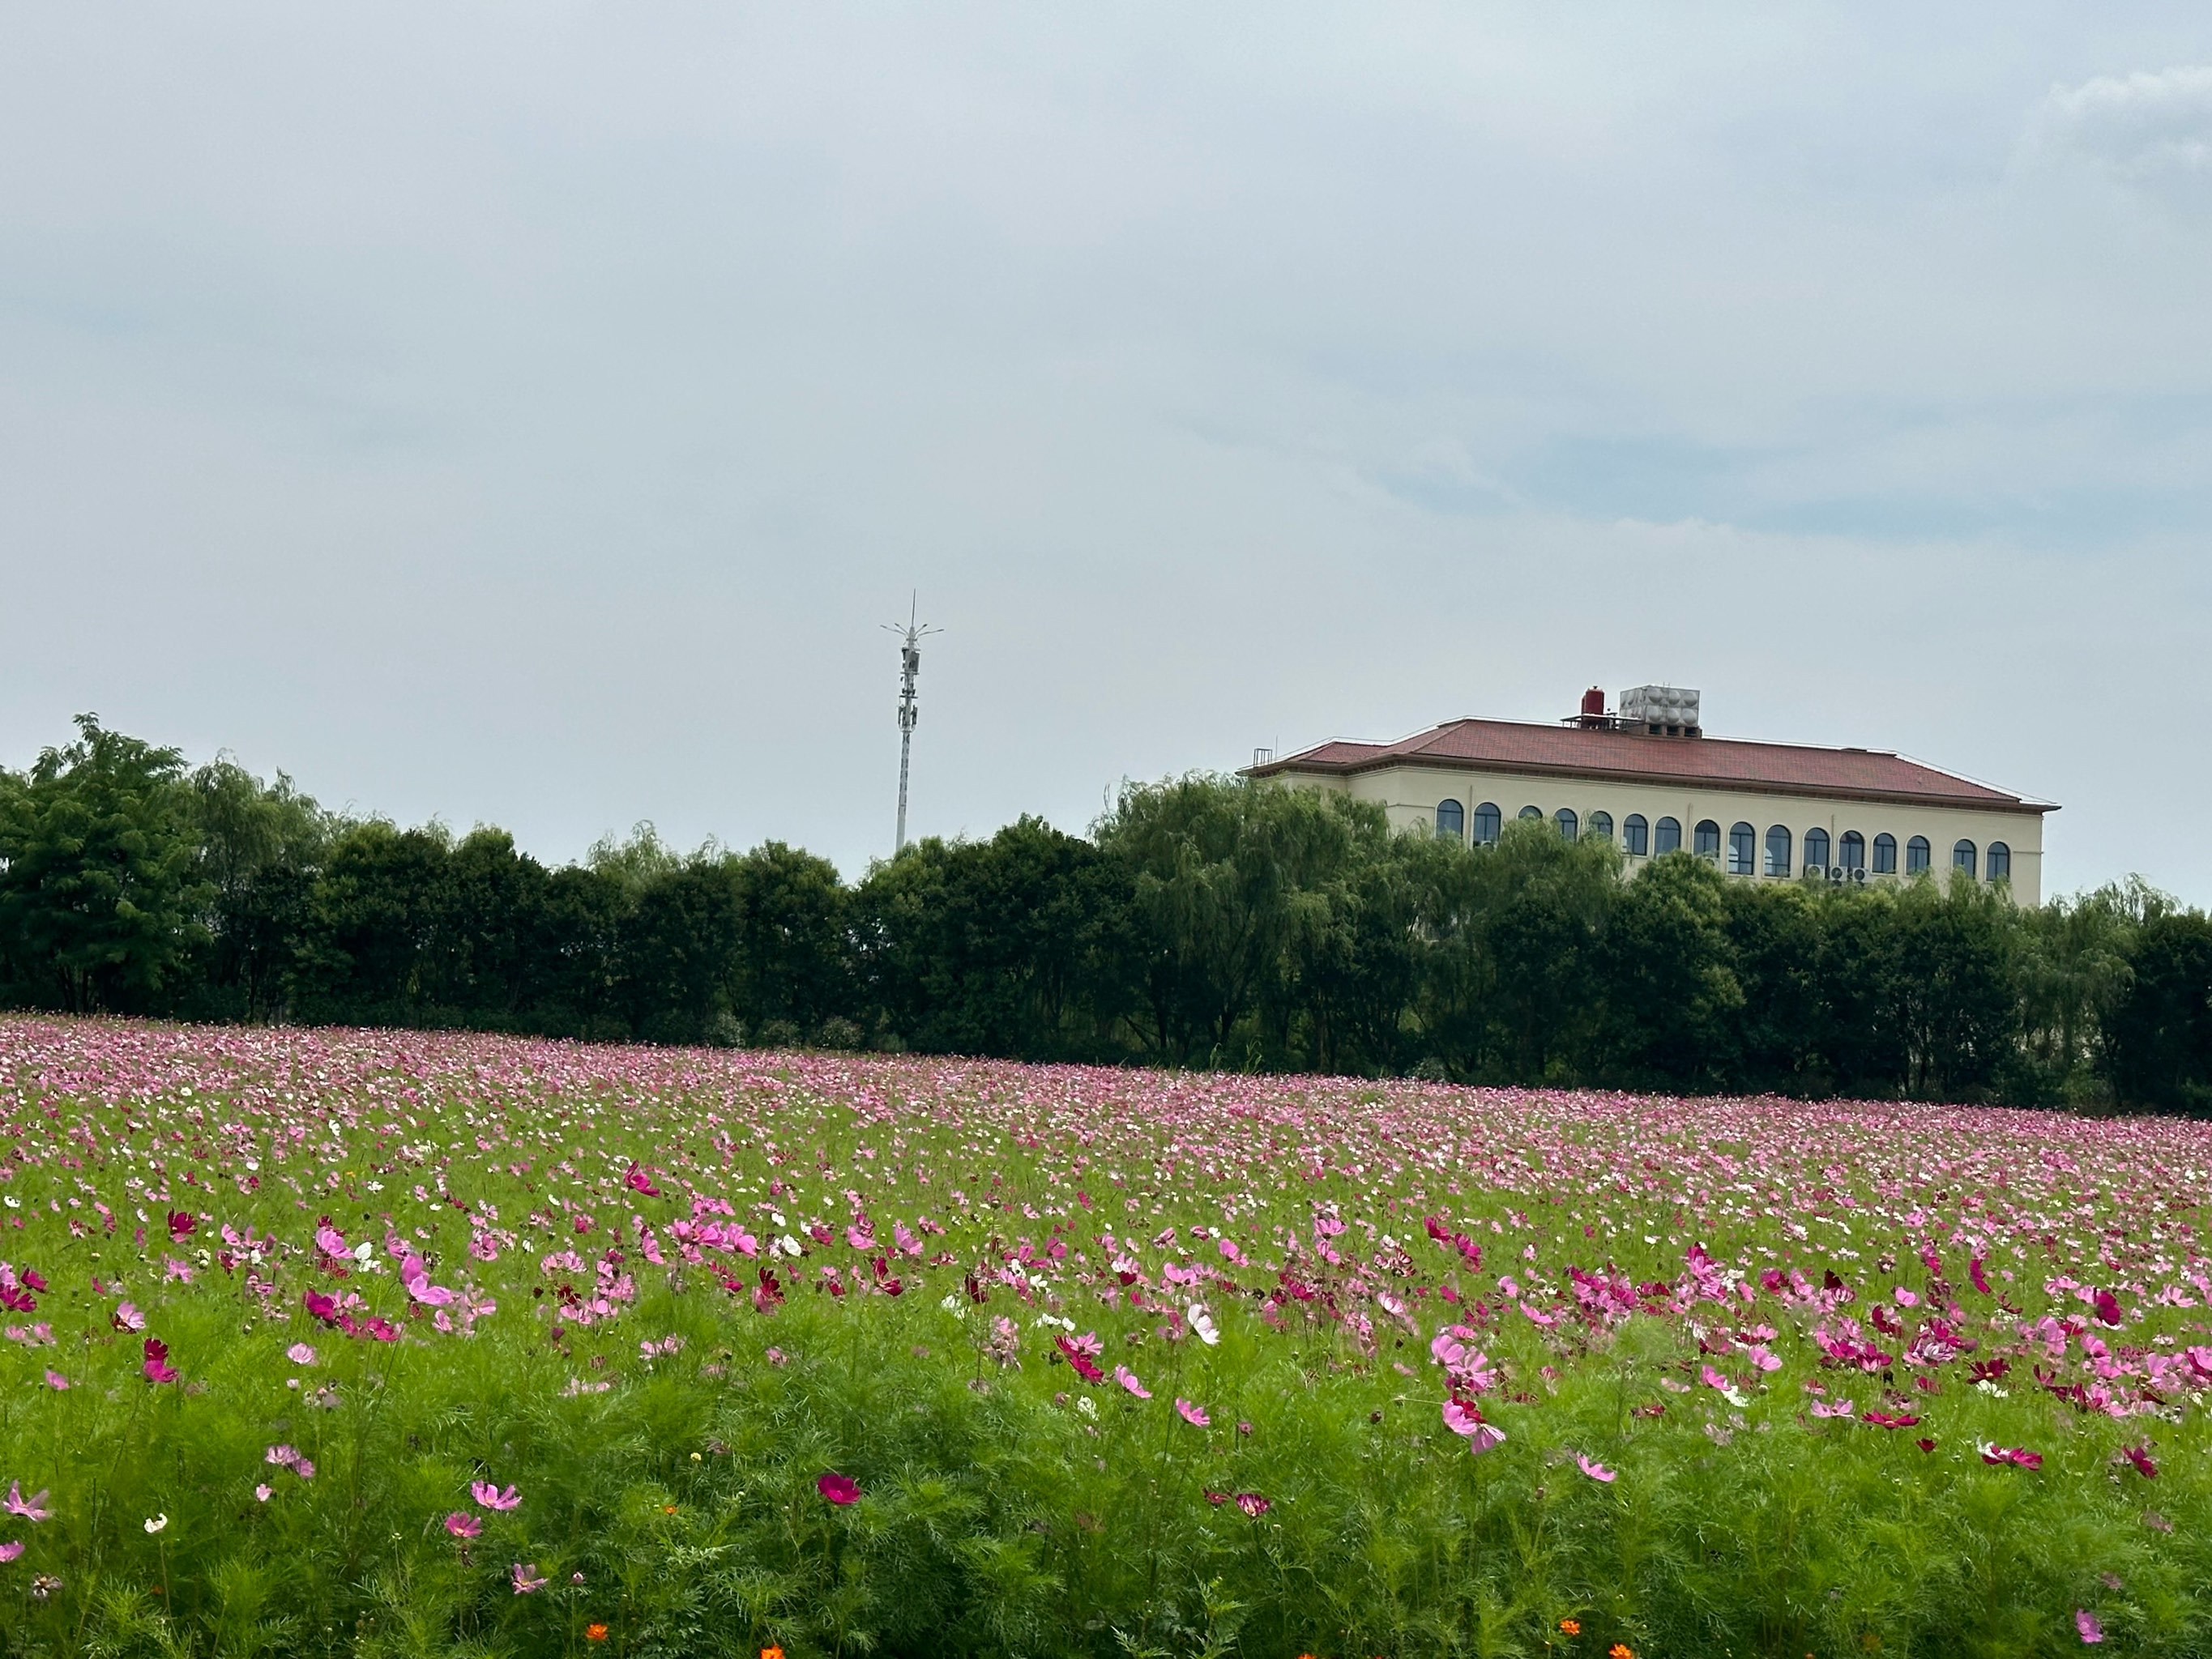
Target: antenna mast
909 666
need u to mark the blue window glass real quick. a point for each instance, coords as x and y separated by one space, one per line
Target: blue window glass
1816 851
1666 837
1564 818
1962 857
1487 821
2000 861
1884 855
1707 841
1917 858
1635 834
1451 819
1851 850
1601 825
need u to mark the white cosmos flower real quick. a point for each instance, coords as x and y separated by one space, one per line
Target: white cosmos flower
157 1523
1202 1322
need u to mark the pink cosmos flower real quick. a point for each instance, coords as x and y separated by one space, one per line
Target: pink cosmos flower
2019 1456
10 1549
156 1366
282 1456
1485 1436
417 1279
299 1354
1127 1379
31 1508
839 1489
1252 1504
1981 1279
1595 1470
2086 1622
127 1318
2140 1456
1193 1415
488 1494
264 1492
526 1578
304 1469
56 1380
462 1524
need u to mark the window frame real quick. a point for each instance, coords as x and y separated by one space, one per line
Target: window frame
1666 829
1884 855
1964 855
1821 833
1599 824
1635 836
1844 854
1778 840
1919 856
1495 824
1457 826
1567 822
1743 849
1997 852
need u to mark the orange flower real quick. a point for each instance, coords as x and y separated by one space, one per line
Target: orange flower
1572 1627
668 1509
1621 1651
771 1653
595 1632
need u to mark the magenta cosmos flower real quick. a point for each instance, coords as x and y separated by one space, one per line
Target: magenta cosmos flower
1193 1415
157 1367
489 1494
839 1489
462 1524
1595 1470
526 1578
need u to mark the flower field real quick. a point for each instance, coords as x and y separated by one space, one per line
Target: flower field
385 1342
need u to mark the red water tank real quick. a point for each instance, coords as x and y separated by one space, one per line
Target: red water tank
1594 702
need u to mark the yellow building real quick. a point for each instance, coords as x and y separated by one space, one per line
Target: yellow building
1647 778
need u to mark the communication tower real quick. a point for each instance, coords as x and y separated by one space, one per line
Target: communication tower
910 637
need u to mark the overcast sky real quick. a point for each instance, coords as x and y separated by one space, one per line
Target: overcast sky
528 414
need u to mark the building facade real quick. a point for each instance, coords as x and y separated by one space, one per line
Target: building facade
1648 780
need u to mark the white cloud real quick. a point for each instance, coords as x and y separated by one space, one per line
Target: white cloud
2140 126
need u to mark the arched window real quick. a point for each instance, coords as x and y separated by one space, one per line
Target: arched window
1816 851
1777 850
1850 851
1635 834
1487 821
1666 837
1451 819
1536 813
1915 856
1743 847
1601 825
2000 861
1962 856
1705 839
1564 818
1884 855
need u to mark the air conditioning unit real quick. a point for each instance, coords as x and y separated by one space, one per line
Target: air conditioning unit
1859 874
1836 874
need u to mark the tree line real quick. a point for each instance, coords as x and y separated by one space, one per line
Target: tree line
1204 921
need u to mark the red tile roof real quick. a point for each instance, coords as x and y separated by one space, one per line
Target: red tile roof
1712 762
